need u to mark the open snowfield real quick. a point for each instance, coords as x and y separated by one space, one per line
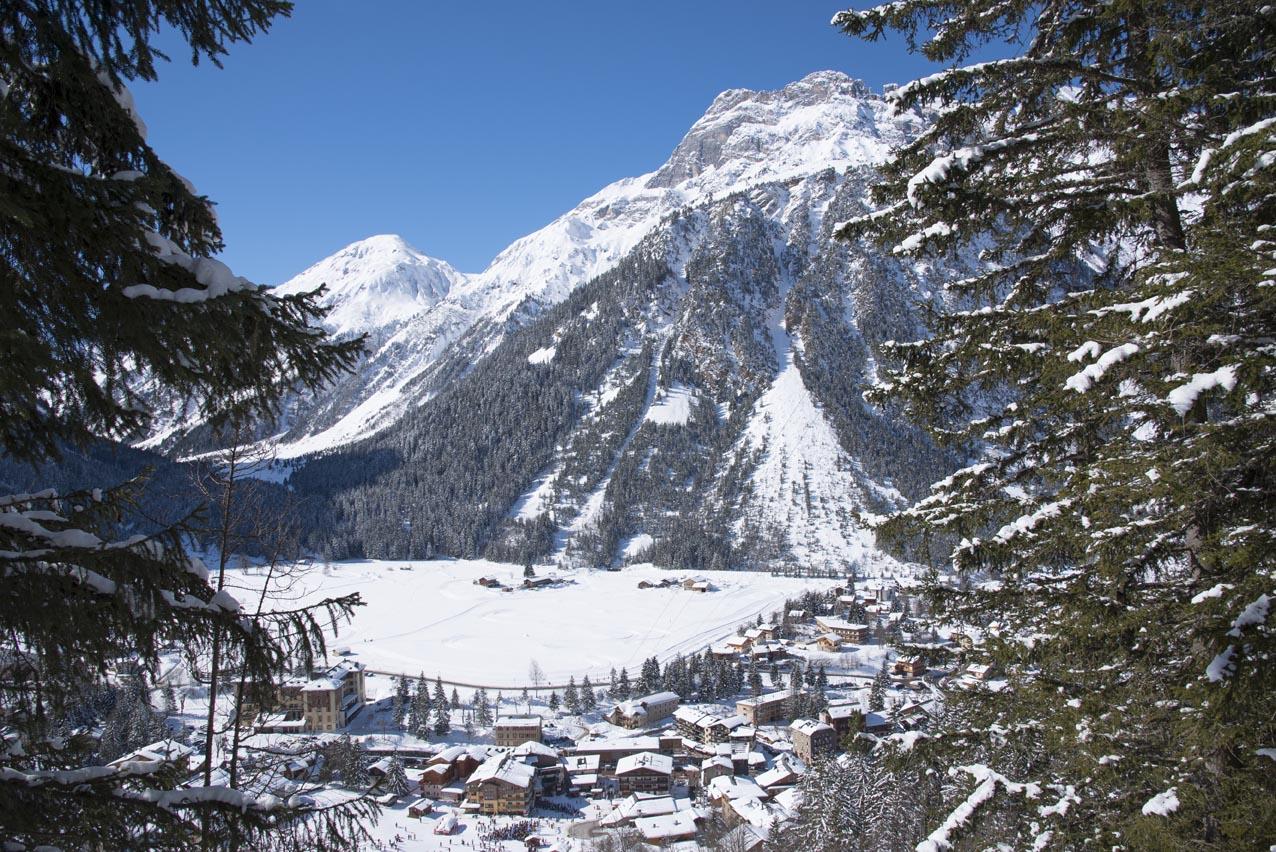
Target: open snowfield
433 618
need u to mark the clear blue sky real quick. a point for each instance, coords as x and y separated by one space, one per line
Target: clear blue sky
463 126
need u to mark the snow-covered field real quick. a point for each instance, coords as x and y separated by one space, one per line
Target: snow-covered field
433 618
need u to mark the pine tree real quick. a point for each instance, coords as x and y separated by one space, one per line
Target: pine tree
571 700
553 702
755 678
482 709
402 702
622 689
877 692
442 710
774 674
396 779
96 224
611 683
1105 364
588 700
422 711
455 700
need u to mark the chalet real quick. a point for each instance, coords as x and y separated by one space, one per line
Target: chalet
696 584
857 633
786 772
795 616
830 642
644 711
159 753
738 644
502 784
876 723
645 772
914 716
812 738
513 731
979 671
845 717
768 651
911 666
421 807
764 708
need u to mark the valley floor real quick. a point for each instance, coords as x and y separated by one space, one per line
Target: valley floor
432 617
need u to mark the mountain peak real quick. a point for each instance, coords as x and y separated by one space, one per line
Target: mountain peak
824 117
375 282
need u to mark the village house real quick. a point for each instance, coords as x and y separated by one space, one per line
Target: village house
767 651
420 808
914 716
502 784
812 738
911 666
795 616
646 772
644 711
696 584
715 767
513 731
452 764
764 708
722 791
857 633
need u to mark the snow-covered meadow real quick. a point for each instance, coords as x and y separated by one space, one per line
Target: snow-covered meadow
432 617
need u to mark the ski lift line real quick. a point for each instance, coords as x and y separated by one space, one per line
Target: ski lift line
542 688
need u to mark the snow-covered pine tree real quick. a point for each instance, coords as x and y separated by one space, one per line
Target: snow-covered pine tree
571 699
402 701
422 712
396 779
622 690
877 692
588 700
1110 372
96 224
442 710
553 701
482 709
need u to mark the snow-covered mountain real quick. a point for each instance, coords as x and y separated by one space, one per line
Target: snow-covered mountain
376 283
671 369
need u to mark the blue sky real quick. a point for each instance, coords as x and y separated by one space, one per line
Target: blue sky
463 126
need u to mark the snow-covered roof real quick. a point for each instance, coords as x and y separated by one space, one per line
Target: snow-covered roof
734 787
518 721
645 761
503 767
809 727
582 762
717 760
532 747
637 707
333 678
838 623
766 698
666 827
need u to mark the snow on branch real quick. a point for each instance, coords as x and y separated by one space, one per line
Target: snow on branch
987 782
1183 397
1084 380
215 277
960 160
